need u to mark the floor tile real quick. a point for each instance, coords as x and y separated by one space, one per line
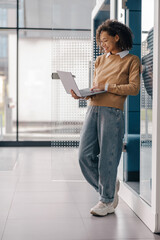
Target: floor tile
120 212
2 225
45 229
42 197
42 186
8 161
6 198
81 186
52 211
35 178
112 227
86 197
45 197
8 182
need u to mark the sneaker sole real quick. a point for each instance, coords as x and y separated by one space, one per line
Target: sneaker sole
101 214
116 198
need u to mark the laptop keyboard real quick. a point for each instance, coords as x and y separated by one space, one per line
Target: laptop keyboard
85 91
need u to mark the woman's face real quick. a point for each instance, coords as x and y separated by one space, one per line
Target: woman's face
109 43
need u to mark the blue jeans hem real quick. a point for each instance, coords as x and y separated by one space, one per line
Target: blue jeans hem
105 200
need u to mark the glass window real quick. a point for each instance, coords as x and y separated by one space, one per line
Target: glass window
33 79
146 99
8 96
56 14
8 13
120 18
34 85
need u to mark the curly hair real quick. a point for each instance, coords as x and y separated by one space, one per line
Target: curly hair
113 28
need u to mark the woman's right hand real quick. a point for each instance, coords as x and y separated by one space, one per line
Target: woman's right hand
74 95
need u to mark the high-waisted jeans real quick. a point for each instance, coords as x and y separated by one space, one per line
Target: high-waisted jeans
100 148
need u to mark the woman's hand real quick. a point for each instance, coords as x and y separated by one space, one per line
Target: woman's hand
74 95
97 88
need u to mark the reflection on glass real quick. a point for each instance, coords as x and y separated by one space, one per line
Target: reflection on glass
8 13
8 85
146 103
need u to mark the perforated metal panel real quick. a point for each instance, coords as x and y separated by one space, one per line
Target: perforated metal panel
72 52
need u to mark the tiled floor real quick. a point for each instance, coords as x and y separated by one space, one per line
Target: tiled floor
43 196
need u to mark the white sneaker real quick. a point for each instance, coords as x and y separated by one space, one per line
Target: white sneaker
116 197
102 209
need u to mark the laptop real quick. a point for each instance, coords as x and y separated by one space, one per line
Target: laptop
69 83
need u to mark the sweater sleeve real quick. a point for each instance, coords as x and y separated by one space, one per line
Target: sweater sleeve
133 85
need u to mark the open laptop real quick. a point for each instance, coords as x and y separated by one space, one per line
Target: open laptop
69 83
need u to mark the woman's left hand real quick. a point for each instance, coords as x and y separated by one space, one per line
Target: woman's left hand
97 88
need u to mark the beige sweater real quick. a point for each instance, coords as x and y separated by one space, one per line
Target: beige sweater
122 75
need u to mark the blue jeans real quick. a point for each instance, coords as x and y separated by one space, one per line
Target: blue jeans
100 148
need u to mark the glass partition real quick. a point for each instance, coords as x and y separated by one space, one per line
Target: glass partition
143 185
62 14
34 85
8 86
146 100
71 51
8 13
25 66
120 14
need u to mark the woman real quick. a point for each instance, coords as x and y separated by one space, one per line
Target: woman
117 72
